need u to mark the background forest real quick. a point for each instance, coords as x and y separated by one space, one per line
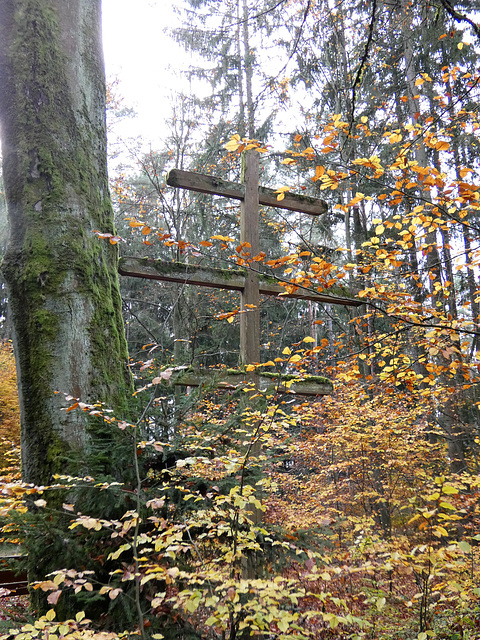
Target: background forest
234 513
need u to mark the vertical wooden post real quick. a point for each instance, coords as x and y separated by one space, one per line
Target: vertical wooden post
250 297
249 232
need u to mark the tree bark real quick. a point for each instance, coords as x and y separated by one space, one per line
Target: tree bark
62 280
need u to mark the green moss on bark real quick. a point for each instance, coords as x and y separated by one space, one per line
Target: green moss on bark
63 282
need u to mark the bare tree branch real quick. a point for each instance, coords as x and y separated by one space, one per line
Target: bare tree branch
450 9
363 61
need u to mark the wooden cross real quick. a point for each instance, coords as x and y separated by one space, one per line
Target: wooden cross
248 281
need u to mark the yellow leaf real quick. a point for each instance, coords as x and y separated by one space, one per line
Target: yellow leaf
286 351
232 145
281 196
449 490
50 615
379 230
309 339
364 119
440 531
47 585
446 505
419 82
230 319
295 358
460 45
223 238
250 367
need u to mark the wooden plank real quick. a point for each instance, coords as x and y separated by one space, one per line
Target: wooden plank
216 186
233 280
15 583
182 273
231 380
268 289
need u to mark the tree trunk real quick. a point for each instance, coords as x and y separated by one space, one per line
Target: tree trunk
62 280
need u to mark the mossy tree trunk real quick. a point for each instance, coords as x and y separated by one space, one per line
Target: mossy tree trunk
62 280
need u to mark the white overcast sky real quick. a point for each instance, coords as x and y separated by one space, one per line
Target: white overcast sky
140 55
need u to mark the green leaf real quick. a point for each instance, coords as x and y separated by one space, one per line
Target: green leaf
282 625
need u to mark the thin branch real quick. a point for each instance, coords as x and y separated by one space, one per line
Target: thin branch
450 9
363 62
299 32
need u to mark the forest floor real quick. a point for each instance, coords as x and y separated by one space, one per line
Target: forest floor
13 610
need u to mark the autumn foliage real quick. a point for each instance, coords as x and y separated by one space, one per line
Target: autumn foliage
9 412
257 513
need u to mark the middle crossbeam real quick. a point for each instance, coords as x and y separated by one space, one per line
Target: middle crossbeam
230 279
